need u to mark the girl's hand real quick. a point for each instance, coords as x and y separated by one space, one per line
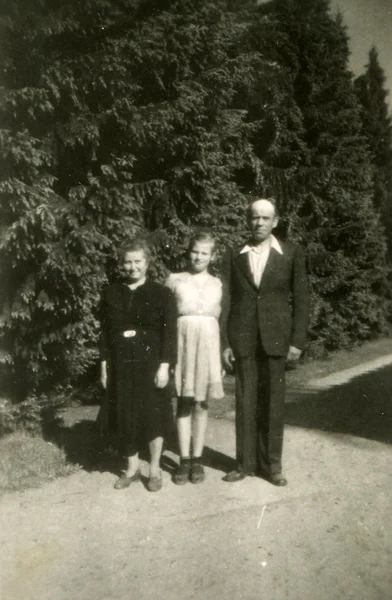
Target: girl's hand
162 375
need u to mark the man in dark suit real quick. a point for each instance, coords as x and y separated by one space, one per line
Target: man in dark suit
264 321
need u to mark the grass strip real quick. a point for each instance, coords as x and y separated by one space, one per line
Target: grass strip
29 461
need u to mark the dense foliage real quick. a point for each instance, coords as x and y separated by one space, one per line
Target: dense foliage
328 196
135 115
377 129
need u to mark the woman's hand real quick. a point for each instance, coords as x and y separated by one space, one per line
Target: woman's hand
162 375
104 374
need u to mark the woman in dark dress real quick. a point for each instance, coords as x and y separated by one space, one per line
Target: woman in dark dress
137 348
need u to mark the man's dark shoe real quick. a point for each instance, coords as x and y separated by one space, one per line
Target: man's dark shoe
234 476
197 473
277 479
182 473
124 481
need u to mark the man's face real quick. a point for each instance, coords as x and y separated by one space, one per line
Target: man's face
262 220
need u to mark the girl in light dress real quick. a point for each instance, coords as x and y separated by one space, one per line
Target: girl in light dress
198 374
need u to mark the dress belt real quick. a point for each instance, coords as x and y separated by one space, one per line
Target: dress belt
129 333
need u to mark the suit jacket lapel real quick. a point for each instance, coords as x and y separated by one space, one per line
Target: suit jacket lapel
242 261
270 267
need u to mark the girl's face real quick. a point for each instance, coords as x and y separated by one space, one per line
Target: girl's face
134 266
200 256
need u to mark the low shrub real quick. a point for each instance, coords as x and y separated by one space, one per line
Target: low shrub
32 416
28 461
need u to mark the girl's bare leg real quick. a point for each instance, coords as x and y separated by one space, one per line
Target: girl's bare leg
199 428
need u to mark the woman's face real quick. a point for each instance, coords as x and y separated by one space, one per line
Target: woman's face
200 256
134 266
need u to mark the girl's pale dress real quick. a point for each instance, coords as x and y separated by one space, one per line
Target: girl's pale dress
198 369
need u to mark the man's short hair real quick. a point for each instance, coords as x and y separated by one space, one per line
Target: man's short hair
254 199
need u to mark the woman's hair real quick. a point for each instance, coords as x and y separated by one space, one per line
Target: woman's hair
135 245
202 235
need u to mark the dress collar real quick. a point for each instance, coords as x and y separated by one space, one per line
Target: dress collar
199 276
133 286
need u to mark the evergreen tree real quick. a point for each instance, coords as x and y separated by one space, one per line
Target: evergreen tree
119 117
159 115
328 196
377 128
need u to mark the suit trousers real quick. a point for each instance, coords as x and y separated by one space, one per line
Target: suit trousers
260 396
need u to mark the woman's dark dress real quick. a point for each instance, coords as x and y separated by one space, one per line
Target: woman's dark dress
137 409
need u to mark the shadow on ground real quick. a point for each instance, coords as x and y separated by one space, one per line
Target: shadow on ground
85 445
361 407
94 450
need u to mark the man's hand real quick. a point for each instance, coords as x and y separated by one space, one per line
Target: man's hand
293 354
228 358
162 375
104 374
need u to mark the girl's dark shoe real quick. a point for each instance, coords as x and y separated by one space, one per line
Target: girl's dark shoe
124 481
182 473
197 473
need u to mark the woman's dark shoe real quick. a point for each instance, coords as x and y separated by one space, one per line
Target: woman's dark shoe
197 473
182 473
154 484
124 481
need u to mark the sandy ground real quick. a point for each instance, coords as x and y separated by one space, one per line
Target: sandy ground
326 536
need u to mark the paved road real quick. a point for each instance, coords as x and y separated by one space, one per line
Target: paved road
326 536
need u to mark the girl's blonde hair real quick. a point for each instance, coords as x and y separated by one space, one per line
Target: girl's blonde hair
202 235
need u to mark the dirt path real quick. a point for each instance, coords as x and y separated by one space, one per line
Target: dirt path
326 536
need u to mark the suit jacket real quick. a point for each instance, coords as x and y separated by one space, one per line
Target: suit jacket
276 312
